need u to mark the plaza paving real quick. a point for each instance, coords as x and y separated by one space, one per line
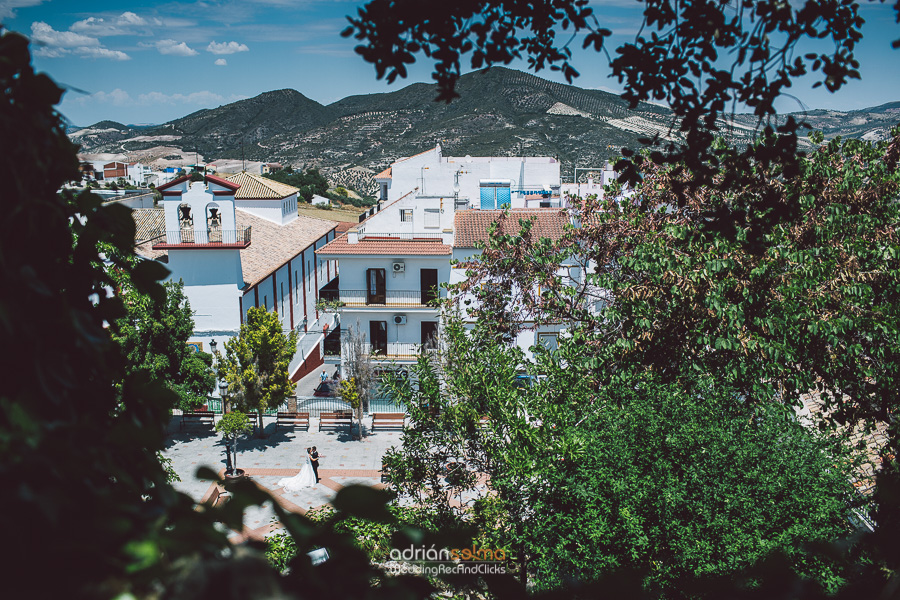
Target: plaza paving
280 454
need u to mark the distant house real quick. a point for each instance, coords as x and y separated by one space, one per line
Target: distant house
114 170
270 168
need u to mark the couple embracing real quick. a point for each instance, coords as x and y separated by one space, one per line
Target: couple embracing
308 475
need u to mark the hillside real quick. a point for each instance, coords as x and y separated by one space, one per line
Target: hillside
500 112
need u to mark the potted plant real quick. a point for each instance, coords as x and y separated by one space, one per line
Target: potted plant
233 426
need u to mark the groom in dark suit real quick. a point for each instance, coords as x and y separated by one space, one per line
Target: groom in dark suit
315 462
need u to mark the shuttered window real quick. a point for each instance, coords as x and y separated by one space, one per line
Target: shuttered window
432 217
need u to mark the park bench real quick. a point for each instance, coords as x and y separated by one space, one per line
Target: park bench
335 419
218 497
392 420
292 419
198 417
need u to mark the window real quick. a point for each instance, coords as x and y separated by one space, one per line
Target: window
495 194
308 281
432 217
282 297
406 215
296 288
383 191
266 302
548 341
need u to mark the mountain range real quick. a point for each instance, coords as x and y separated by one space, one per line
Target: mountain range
500 112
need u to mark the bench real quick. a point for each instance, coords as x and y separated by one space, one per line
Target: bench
218 497
393 420
198 417
335 419
292 419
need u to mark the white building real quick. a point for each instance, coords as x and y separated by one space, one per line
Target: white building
484 182
212 236
398 259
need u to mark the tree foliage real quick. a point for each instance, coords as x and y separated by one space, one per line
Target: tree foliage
256 363
154 336
233 426
687 488
309 183
808 303
805 303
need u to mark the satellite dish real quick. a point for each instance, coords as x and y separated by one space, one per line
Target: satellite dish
468 158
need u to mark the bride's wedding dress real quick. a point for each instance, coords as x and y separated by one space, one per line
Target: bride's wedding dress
304 479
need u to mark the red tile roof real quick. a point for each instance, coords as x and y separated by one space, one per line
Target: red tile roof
386 174
223 182
384 247
472 226
173 183
343 226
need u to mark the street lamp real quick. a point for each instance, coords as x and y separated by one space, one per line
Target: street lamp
223 390
212 345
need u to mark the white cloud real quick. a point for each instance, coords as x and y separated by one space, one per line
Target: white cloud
128 23
221 62
226 47
117 97
204 98
8 7
44 34
101 52
54 44
174 48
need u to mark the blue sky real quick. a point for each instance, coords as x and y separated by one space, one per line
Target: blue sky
150 62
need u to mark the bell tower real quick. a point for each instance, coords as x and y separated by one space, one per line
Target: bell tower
204 243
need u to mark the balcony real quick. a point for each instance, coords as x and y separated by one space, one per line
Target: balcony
393 351
210 238
383 298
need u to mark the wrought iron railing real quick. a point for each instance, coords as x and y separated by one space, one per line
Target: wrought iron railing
390 298
392 350
315 406
203 237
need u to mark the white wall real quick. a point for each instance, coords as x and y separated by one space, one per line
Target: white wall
353 271
286 287
277 211
408 334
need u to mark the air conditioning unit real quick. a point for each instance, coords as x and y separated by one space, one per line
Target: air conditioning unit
399 319
399 267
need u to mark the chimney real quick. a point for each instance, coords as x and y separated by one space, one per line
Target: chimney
352 236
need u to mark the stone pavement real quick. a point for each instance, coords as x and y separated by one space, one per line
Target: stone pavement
281 454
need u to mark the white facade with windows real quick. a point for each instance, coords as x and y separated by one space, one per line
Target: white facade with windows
392 263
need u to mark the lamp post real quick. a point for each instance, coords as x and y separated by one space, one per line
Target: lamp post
223 390
212 345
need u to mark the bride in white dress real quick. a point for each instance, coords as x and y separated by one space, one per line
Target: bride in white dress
304 479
